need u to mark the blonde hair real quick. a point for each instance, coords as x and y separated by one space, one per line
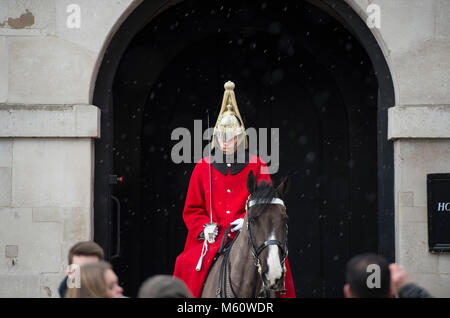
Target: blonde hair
93 282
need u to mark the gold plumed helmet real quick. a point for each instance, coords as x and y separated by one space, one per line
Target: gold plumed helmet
229 123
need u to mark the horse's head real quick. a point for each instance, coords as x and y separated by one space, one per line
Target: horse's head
267 230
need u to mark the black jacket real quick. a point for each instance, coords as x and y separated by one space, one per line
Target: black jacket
413 291
62 289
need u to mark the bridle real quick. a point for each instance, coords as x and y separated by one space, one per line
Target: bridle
257 251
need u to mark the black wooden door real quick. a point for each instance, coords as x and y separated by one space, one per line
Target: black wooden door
296 70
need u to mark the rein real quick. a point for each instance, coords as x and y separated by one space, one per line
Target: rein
221 291
225 270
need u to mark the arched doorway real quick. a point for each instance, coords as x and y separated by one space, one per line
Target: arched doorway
306 68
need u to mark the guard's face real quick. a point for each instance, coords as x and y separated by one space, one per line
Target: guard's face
229 146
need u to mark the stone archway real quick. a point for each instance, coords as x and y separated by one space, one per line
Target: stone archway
138 77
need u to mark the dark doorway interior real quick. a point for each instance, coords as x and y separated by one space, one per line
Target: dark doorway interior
297 69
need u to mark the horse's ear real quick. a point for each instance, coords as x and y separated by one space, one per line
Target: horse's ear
251 182
283 188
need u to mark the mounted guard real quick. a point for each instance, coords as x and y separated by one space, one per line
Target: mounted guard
217 196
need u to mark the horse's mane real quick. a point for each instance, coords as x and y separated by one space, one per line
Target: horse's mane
265 192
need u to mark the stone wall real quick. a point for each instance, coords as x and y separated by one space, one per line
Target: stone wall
47 131
46 207
415 37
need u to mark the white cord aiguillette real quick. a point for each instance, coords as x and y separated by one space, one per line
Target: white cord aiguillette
204 250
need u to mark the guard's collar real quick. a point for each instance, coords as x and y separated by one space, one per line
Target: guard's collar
235 162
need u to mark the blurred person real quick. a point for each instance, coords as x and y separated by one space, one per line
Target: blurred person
393 281
403 286
357 274
80 254
164 286
97 280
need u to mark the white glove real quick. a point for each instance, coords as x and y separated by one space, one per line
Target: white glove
237 225
210 233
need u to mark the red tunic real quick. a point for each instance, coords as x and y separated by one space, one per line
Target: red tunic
228 204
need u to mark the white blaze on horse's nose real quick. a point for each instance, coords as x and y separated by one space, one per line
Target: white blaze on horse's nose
274 270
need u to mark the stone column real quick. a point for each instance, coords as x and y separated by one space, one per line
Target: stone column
46 193
421 136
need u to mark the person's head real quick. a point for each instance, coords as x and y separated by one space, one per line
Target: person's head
163 286
85 252
229 131
367 276
97 280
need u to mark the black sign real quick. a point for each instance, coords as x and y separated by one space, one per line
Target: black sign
438 188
